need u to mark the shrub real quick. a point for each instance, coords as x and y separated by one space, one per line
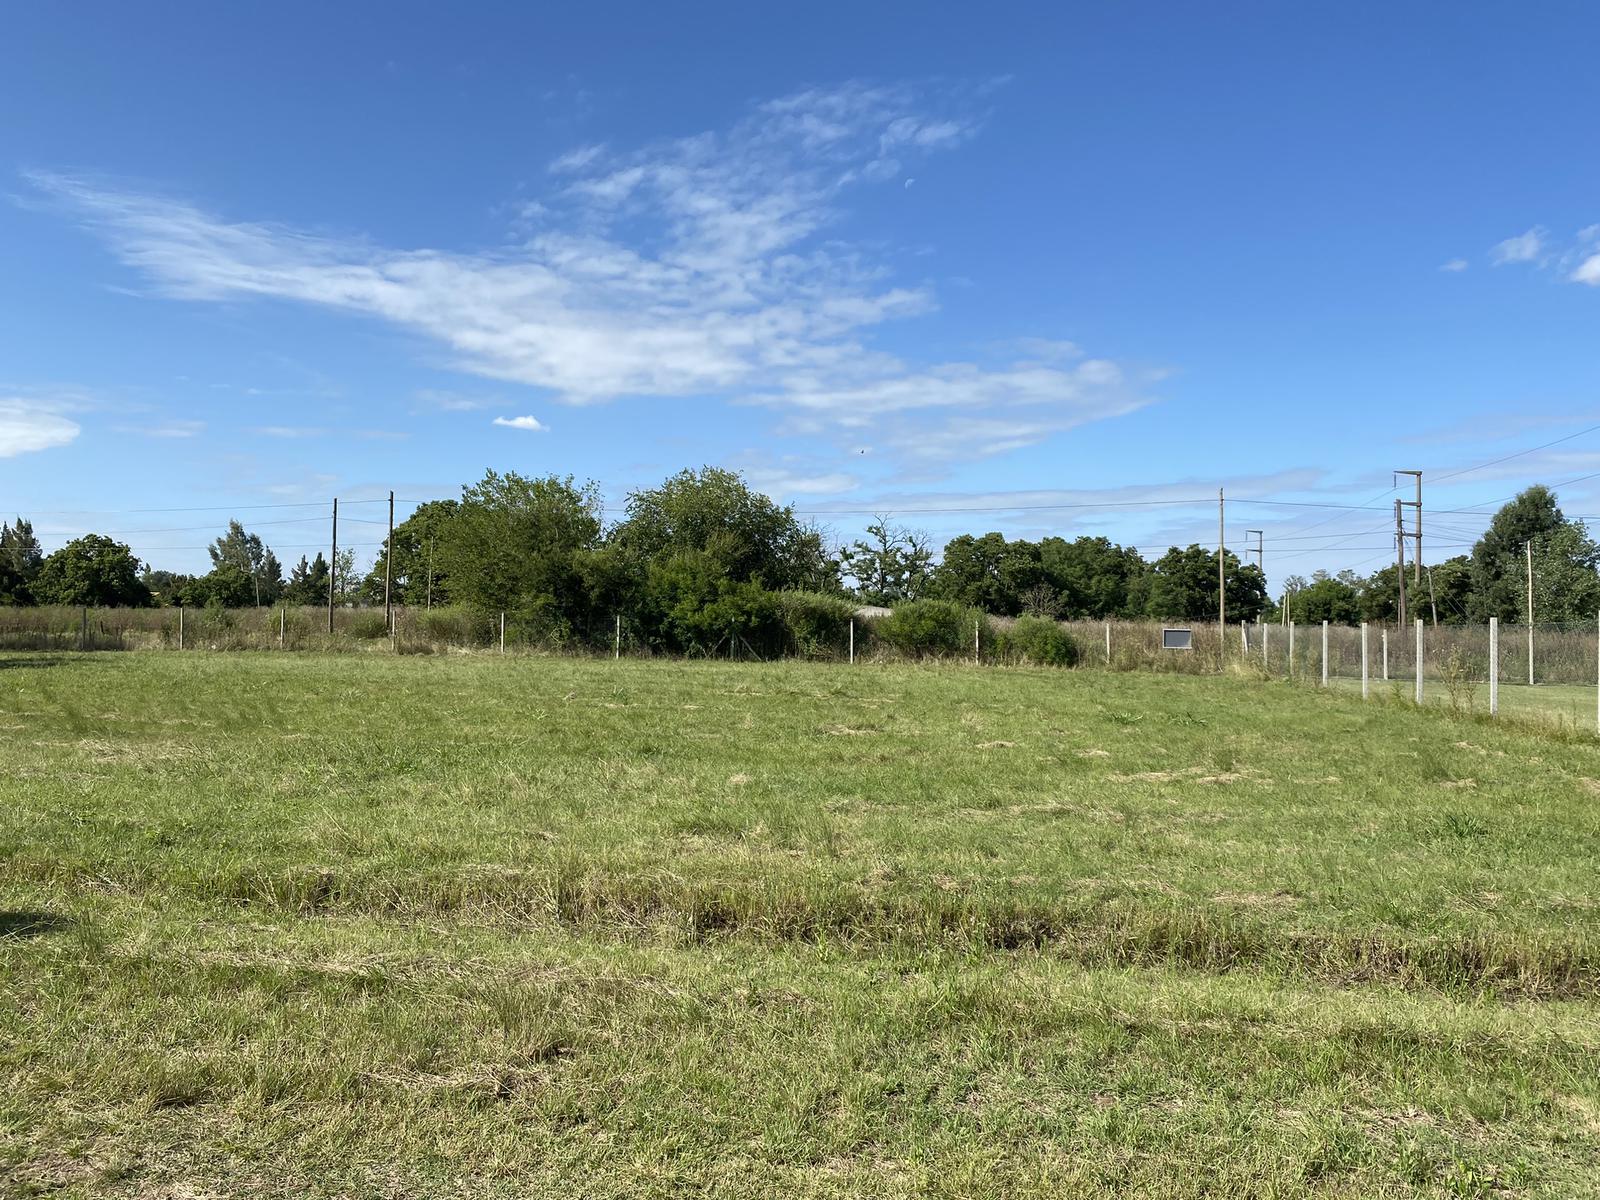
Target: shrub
921 628
1040 641
817 625
368 625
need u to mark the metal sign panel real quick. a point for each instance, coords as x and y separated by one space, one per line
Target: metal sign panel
1177 639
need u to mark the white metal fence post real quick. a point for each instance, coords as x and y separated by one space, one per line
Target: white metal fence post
1419 660
1494 665
1324 654
1365 683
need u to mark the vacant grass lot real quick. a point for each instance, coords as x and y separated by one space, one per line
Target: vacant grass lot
360 925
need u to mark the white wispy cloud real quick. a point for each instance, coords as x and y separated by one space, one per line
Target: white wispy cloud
1455 264
28 424
700 265
1525 247
531 424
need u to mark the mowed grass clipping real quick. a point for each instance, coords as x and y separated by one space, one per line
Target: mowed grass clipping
358 925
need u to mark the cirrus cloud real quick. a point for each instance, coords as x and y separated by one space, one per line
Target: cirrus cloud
695 266
28 425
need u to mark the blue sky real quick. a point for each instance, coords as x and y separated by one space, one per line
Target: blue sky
881 258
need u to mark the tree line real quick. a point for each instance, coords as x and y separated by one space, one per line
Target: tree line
703 555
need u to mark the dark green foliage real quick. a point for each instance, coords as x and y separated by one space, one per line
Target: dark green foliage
987 573
890 565
308 582
1499 564
929 628
1334 598
20 559
91 570
818 625
244 554
1093 576
227 586
1039 641
416 578
1183 586
515 545
714 512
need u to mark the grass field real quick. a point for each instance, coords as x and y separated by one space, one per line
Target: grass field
294 925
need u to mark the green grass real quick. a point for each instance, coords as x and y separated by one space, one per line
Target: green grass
467 926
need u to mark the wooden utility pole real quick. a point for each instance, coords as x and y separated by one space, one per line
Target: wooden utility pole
333 562
388 570
1222 588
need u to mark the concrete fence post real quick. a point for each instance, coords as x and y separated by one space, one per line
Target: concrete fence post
502 632
616 648
1266 634
283 625
1494 665
1366 685
1291 649
1385 632
852 639
1419 660
180 627
1324 654
975 644
1108 643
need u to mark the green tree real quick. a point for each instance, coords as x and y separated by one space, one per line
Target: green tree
21 556
250 556
1334 598
166 587
987 573
1183 586
227 585
1565 584
891 564
92 570
515 545
1093 576
746 534
308 582
1499 565
416 579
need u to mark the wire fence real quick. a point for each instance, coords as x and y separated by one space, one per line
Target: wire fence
1549 670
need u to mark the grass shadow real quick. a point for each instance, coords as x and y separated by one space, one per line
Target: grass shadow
25 924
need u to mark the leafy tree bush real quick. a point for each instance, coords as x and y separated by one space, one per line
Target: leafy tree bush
816 624
21 556
929 628
92 570
1040 641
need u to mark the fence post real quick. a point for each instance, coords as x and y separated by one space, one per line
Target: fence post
1530 647
1385 632
502 631
616 652
1419 660
1266 636
852 640
975 659
1494 665
180 627
1324 654
1244 641
1108 643
1365 684
283 623
1291 649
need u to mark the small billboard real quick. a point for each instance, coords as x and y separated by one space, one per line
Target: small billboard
1177 639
